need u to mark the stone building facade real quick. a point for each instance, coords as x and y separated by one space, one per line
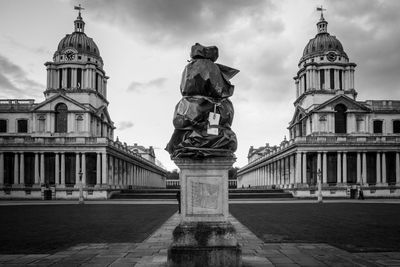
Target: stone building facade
333 136
68 138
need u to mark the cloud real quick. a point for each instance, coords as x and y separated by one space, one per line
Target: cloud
21 45
140 86
14 82
123 125
172 21
371 38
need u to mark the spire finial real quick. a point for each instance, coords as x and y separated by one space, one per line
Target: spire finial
322 24
320 8
79 23
79 8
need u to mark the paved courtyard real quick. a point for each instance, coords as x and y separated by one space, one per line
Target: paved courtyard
152 251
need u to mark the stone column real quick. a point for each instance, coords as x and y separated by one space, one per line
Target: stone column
83 168
77 168
111 178
62 169
22 169
397 168
324 169
378 168
364 168
57 169
304 176
344 167
104 168
74 78
298 168
98 169
16 168
319 164
42 168
339 167
384 178
358 167
1 168
327 80
337 85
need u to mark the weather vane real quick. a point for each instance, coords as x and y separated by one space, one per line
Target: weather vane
320 8
79 8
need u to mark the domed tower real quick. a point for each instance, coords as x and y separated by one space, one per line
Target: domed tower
77 68
324 69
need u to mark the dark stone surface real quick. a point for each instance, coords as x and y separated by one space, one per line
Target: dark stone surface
204 244
184 256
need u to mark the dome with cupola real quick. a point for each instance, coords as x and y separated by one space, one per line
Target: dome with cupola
78 41
323 43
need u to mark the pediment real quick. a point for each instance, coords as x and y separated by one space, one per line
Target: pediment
298 111
350 104
51 103
103 111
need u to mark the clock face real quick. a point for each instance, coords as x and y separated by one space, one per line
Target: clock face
69 54
331 56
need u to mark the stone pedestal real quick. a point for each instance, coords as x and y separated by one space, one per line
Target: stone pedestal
204 237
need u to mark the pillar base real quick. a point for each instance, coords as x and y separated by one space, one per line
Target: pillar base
204 244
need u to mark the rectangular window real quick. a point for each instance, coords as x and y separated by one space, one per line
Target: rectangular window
79 78
322 79
377 126
42 124
3 126
305 82
332 78
340 80
396 126
69 77
22 126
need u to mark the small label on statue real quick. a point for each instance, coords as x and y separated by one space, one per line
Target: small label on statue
212 130
213 118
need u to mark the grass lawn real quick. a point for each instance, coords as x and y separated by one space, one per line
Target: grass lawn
350 226
44 229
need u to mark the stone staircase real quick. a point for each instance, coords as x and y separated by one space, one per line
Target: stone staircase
149 194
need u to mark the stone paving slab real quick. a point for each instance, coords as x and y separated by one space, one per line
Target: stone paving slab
152 252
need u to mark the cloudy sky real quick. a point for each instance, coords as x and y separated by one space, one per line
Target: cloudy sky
145 45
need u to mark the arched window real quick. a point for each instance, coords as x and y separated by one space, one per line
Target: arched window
299 126
340 119
61 118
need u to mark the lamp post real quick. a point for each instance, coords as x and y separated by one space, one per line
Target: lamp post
81 201
319 174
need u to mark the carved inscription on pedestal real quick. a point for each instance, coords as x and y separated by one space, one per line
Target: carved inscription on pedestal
205 195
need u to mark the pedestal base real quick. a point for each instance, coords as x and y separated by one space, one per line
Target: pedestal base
203 244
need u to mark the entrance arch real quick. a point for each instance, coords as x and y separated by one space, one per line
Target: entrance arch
61 118
340 119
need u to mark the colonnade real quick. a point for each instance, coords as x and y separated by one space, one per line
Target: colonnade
303 168
311 79
109 170
58 77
